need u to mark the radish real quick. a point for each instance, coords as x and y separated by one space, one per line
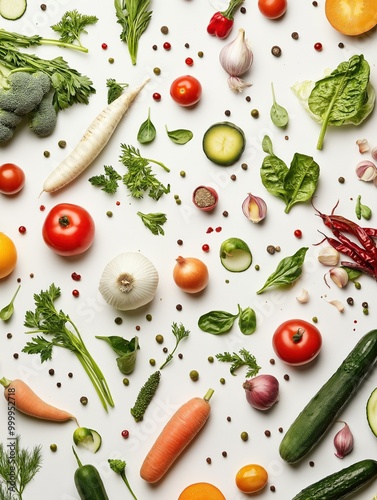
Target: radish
92 142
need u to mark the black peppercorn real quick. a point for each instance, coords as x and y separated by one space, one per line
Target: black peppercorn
276 51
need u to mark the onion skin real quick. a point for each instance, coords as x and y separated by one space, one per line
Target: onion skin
190 274
262 391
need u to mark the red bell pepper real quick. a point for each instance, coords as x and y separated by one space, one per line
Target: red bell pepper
221 23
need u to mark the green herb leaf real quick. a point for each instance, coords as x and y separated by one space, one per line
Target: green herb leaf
244 358
180 136
72 25
114 89
279 115
179 333
7 311
362 211
126 350
217 322
287 272
147 131
108 181
247 321
154 222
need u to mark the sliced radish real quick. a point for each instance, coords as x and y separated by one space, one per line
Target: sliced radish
87 438
235 255
12 9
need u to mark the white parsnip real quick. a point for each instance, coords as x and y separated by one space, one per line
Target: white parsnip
92 142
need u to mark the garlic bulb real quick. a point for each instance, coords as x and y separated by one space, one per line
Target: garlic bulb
236 58
128 281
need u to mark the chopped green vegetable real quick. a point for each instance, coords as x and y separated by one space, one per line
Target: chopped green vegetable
126 350
114 89
119 467
145 396
72 25
287 272
180 136
87 438
179 333
7 311
153 222
108 181
48 320
147 131
244 358
362 211
279 115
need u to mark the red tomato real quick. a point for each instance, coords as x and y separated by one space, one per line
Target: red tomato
273 9
68 229
186 90
12 178
297 342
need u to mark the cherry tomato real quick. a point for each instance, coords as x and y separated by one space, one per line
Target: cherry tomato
8 255
186 90
68 229
297 342
251 478
273 9
12 178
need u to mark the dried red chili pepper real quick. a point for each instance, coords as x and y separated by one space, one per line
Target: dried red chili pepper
221 23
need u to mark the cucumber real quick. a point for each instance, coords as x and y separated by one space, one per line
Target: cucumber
342 483
235 255
88 481
12 9
372 411
321 411
224 143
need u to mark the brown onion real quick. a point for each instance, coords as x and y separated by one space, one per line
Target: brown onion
190 274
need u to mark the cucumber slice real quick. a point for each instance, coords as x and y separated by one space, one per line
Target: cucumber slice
87 438
224 143
12 9
235 255
372 411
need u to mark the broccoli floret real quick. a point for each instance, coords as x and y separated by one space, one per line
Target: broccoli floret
6 133
43 119
8 122
24 92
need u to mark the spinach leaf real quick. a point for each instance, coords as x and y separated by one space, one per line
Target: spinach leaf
147 131
273 171
278 114
217 322
247 321
126 350
287 272
339 97
180 136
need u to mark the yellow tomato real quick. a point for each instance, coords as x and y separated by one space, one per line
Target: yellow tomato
201 491
8 255
251 478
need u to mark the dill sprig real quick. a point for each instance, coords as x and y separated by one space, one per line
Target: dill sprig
243 358
179 333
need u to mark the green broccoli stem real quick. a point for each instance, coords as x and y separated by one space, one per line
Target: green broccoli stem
125 480
19 40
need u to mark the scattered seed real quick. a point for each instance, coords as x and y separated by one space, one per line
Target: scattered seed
211 359
276 51
70 374
180 355
182 173
111 60
46 154
224 453
318 47
154 47
254 113
84 400
53 447
227 112
350 301
109 213
187 45
62 144
159 338
243 10
194 375
164 30
244 166
165 350
267 433
233 177
200 54
272 361
272 488
365 305
9 335
58 384
244 436
225 213
286 376
208 460
280 429
341 45
125 434
247 98
126 381
341 180
179 242
178 307
277 248
51 371
148 317
311 463
222 380
118 320
43 6
271 249
157 71
152 362
167 46
15 355
294 35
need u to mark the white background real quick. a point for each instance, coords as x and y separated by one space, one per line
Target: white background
187 21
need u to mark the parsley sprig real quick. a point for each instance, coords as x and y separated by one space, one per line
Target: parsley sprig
108 181
244 358
72 25
179 333
48 320
154 222
114 89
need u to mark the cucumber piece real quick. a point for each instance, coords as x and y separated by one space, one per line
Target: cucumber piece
323 409
235 255
342 483
224 143
372 411
87 438
12 9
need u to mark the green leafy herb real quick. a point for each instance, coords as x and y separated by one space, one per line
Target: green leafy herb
114 89
108 181
362 211
7 311
19 469
296 184
279 115
147 131
180 136
134 18
153 222
244 358
119 466
125 349
353 274
48 320
179 333
139 179
72 25
247 321
145 396
287 272
218 322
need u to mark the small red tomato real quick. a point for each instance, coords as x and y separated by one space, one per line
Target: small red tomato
12 178
186 90
297 342
68 229
272 9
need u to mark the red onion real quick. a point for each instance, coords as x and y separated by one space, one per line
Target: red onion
262 391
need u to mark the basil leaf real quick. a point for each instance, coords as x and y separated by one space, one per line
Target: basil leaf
287 272
7 311
147 131
216 322
278 114
273 172
126 350
247 321
352 273
301 180
180 136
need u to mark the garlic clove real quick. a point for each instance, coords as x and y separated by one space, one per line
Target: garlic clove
254 208
343 441
236 58
303 298
339 276
329 256
363 145
336 303
366 171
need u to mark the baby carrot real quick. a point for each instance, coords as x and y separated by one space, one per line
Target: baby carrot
25 400
179 431
92 142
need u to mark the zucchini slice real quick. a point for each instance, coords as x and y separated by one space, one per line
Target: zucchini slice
12 9
235 255
224 143
372 411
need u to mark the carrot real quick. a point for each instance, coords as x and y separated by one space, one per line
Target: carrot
178 433
24 399
92 142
